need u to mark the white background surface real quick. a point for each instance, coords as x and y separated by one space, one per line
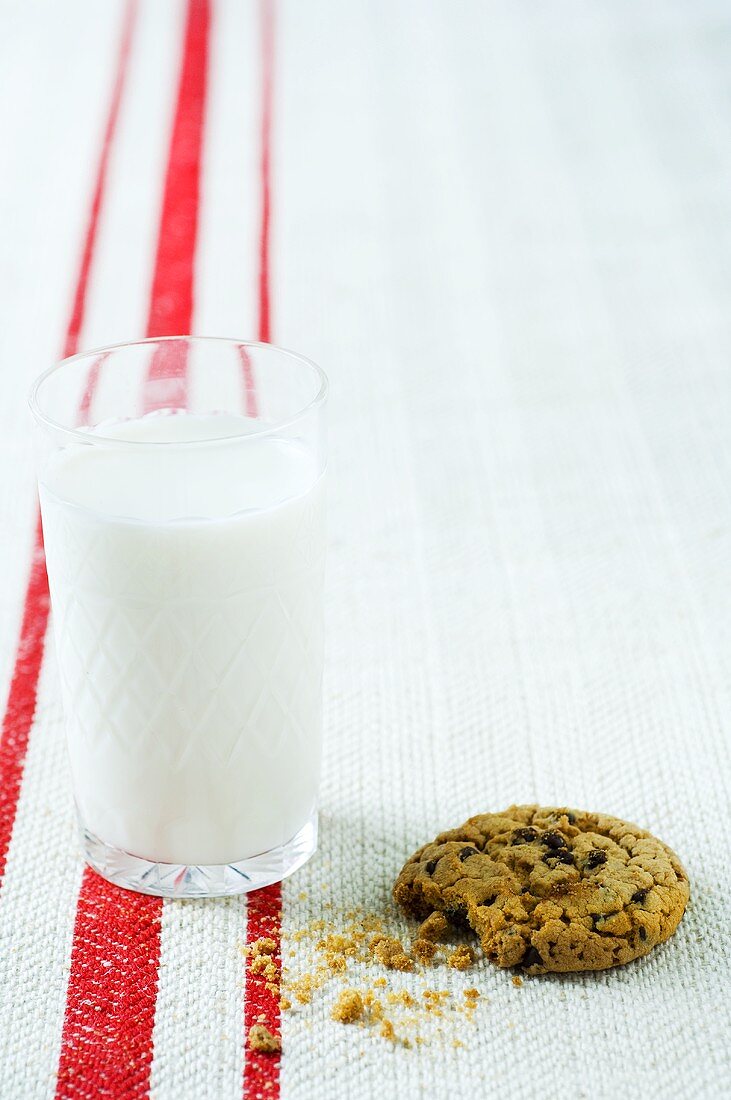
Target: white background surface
504 229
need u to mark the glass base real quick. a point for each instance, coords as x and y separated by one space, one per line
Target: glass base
176 880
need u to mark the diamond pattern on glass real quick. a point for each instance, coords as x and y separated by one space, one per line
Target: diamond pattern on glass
172 671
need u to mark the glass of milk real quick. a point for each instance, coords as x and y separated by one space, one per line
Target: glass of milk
181 487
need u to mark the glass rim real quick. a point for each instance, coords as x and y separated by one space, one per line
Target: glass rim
86 436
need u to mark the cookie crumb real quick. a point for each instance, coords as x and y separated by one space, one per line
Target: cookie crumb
434 1001
461 958
374 1006
304 987
434 928
387 1031
262 964
403 997
517 981
390 953
263 946
472 994
336 949
262 1040
424 951
349 1007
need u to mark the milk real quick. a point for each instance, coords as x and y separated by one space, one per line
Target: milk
186 585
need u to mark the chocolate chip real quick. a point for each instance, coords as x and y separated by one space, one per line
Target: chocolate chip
595 918
572 817
524 836
458 919
553 840
561 856
431 866
531 958
640 895
466 853
596 857
643 933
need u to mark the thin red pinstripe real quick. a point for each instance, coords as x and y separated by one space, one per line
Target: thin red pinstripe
76 320
266 23
251 405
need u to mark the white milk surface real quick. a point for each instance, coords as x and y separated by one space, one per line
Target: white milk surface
186 585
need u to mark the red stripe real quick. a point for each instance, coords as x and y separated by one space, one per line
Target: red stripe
106 1046
92 380
263 918
21 704
266 18
167 384
110 1004
77 311
22 696
264 907
171 303
251 405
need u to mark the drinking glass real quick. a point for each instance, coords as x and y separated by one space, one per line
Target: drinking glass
182 498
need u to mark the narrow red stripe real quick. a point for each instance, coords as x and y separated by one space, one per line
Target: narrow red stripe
79 304
21 704
251 405
22 696
92 380
106 1045
263 918
264 907
266 17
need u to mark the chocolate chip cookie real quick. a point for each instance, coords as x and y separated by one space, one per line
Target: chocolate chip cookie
550 889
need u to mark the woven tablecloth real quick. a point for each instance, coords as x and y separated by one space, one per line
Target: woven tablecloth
503 228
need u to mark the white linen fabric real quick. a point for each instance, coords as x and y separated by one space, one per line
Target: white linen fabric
504 229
